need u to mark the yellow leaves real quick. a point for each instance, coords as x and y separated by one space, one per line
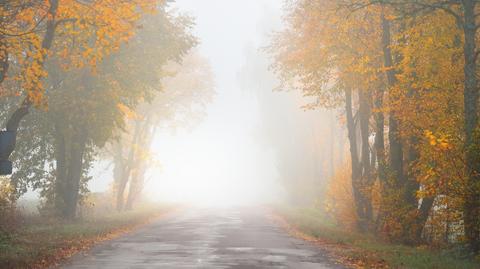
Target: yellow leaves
429 103
440 168
428 174
87 52
109 23
85 34
444 145
129 113
325 42
440 142
429 135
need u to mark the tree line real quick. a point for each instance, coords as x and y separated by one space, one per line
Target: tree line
82 81
404 74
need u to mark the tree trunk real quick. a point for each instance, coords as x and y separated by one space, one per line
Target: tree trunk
396 148
74 174
136 184
423 213
472 199
147 132
61 168
356 170
4 63
366 178
379 143
127 168
119 170
122 183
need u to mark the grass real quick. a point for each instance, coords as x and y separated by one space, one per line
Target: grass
42 243
365 251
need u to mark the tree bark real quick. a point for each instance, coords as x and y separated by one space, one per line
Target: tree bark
61 168
396 147
122 183
423 214
136 184
127 168
379 143
75 169
355 163
472 199
366 177
4 63
118 175
147 132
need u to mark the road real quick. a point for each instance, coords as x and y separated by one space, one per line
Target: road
238 238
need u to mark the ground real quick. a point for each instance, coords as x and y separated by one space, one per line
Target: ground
240 238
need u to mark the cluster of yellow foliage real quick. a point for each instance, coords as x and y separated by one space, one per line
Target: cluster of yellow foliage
79 32
405 75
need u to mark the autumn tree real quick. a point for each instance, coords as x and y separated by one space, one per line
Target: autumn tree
464 14
29 36
143 65
397 79
334 60
184 92
87 92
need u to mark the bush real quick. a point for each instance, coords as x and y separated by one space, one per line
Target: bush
339 200
9 217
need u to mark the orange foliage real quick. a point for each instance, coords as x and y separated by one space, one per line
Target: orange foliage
328 47
84 32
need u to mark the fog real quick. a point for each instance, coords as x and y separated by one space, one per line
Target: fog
219 161
233 118
249 147
255 143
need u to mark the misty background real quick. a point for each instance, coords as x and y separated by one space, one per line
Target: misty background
255 140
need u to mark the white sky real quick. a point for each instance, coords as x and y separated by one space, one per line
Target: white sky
219 162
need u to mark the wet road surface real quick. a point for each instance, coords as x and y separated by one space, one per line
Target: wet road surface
241 238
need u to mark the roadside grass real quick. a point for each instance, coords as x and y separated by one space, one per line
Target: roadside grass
43 243
365 251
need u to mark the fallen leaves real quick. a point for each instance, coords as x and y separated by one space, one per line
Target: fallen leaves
47 248
341 253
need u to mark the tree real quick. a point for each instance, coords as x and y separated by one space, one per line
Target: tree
181 102
329 54
465 13
87 102
87 31
389 71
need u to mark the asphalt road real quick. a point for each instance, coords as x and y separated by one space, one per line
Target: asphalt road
241 238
